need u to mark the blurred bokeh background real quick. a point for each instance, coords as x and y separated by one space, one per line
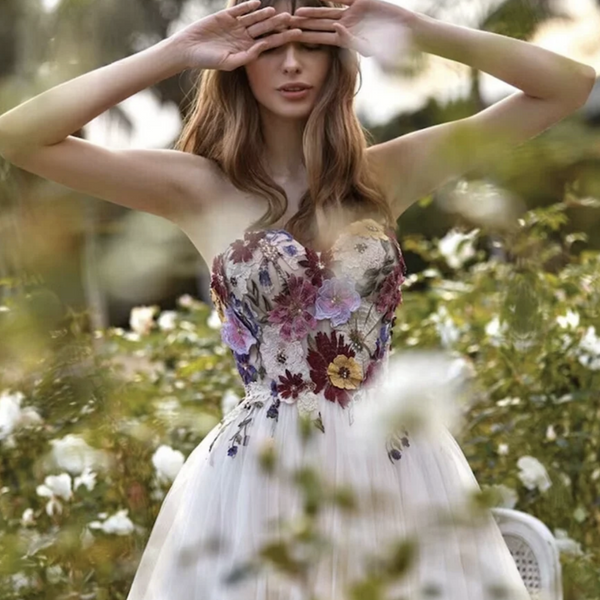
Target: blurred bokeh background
116 258
101 399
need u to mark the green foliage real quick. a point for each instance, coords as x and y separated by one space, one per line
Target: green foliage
520 312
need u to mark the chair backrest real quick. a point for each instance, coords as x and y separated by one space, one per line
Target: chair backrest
534 550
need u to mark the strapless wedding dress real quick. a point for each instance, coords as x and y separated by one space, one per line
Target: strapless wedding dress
310 334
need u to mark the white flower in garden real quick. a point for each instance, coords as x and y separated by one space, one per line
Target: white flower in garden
446 328
229 401
568 321
496 332
589 349
566 545
550 433
20 581
55 487
54 573
28 518
213 321
533 474
503 449
167 462
565 479
73 454
186 301
166 321
417 393
10 412
30 416
580 514
13 416
457 247
118 524
141 319
87 478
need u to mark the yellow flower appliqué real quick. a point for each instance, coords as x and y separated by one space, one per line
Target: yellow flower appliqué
344 372
367 228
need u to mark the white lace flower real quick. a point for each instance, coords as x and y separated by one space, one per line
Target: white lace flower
167 462
307 404
141 319
238 275
73 454
533 474
279 354
356 255
457 247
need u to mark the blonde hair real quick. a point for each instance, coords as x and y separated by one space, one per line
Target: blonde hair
224 126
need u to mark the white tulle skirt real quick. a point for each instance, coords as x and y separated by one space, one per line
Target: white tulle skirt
221 510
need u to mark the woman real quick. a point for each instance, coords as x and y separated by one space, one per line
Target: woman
280 194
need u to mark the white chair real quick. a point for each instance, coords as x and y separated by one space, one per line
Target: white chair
534 550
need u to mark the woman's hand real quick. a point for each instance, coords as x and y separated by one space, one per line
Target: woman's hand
371 27
226 40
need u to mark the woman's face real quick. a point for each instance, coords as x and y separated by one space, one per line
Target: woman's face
295 62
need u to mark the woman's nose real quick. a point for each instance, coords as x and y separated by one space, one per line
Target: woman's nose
290 55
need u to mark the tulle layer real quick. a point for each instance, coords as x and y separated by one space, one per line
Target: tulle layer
222 509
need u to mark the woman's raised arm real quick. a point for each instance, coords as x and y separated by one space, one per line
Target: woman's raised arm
37 135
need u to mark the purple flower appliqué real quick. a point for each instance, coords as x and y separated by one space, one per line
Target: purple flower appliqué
235 334
336 300
295 309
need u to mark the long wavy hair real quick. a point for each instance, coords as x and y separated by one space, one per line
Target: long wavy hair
224 126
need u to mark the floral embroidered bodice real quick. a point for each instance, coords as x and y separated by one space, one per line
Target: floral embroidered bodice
307 327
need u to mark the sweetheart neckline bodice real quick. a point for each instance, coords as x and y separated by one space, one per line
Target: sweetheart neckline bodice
253 232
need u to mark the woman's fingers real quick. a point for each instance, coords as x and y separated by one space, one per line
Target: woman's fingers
314 24
319 12
256 16
243 8
262 27
279 39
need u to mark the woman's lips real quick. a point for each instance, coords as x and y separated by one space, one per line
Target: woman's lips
299 95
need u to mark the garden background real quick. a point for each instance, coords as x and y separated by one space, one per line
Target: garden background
111 364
